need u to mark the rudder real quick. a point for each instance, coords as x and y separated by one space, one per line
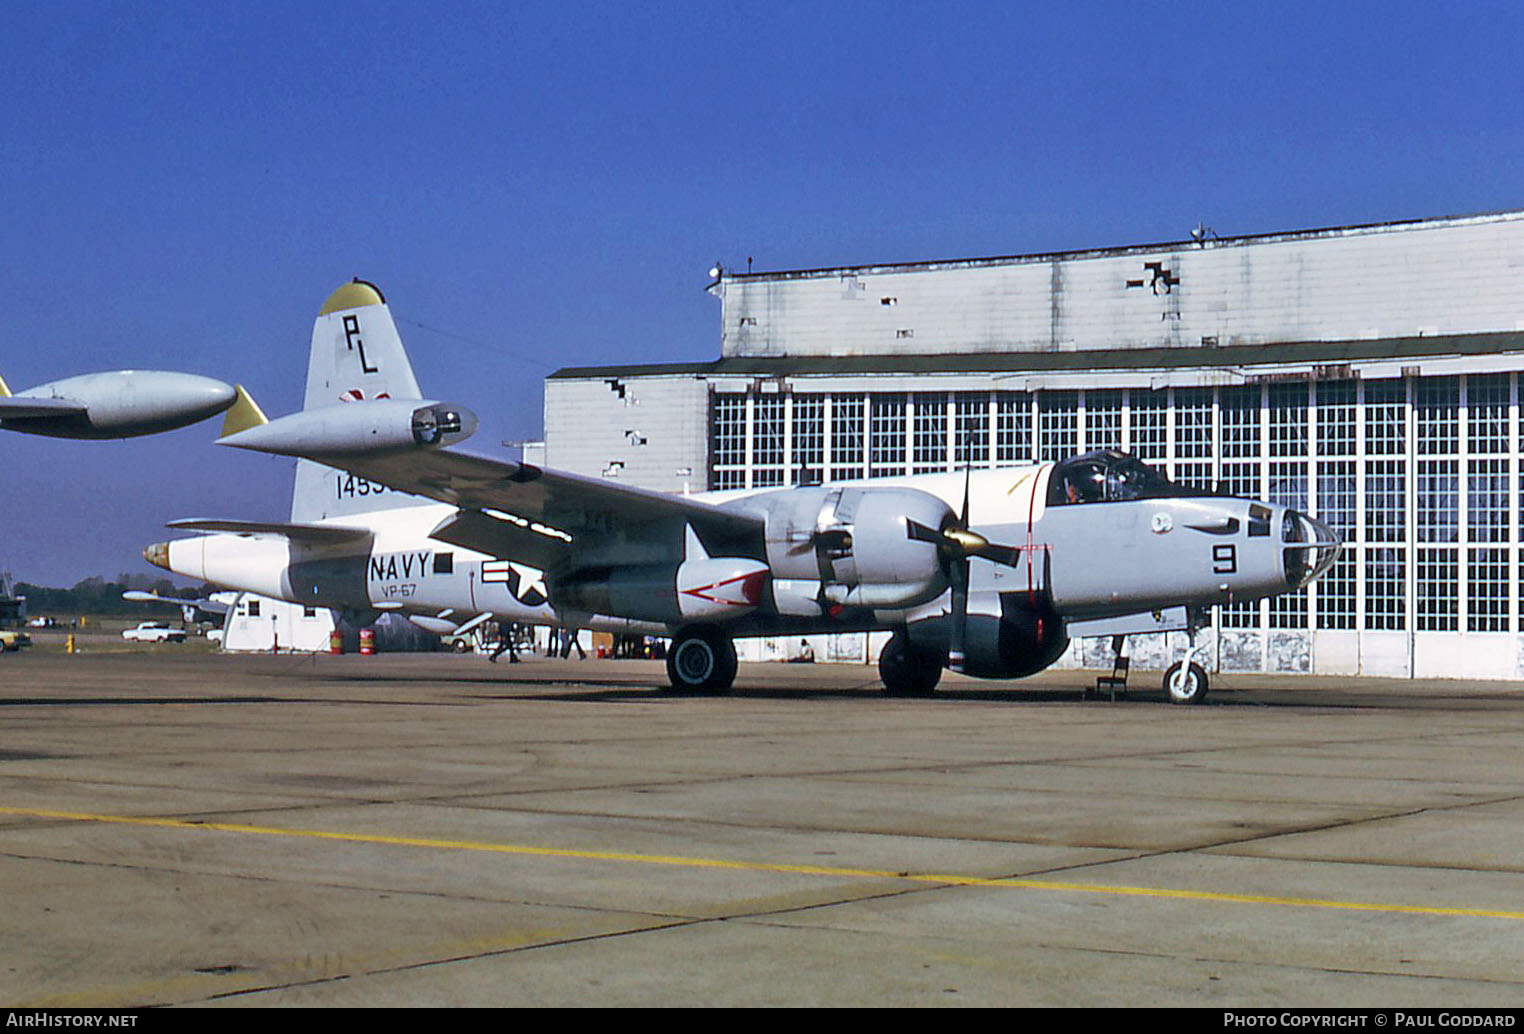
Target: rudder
357 357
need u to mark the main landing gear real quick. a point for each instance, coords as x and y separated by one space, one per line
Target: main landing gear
701 660
908 670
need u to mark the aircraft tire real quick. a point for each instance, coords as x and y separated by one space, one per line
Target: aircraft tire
906 671
1192 691
701 660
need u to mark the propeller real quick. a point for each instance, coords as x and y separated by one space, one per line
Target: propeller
956 545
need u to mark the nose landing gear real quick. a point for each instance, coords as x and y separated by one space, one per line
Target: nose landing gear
1186 681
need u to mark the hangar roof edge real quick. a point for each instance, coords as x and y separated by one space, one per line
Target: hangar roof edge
730 276
1116 359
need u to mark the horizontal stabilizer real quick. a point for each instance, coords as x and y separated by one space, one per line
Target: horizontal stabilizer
24 408
314 534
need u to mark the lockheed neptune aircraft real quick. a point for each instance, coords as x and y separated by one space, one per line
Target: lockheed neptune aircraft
987 572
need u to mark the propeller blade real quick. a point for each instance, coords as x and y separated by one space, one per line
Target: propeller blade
1008 556
957 634
918 532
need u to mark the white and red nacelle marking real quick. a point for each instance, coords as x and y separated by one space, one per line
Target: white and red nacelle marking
720 587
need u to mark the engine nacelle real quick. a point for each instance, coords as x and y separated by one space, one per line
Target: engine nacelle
709 589
353 427
1026 637
851 547
719 588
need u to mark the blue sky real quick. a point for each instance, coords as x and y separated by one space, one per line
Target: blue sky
544 185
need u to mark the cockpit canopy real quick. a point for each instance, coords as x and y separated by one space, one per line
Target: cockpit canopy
1110 476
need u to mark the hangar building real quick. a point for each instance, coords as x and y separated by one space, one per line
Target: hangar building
1366 374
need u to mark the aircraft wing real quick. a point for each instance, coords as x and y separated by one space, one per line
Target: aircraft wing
28 408
209 605
536 515
316 534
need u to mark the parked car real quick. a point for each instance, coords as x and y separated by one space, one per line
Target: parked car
154 632
13 639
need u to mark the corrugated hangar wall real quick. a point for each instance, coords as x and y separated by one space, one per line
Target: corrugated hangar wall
1366 374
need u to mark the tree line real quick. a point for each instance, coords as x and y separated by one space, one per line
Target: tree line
98 596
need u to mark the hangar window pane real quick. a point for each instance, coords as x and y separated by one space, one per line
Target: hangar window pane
1437 513
1487 413
1488 584
1193 438
808 439
1385 501
1193 423
1386 418
846 437
1336 593
1487 500
767 440
1436 405
1336 418
1336 508
971 429
1386 468
727 449
1103 420
1148 425
1240 417
886 436
1057 424
1437 577
1288 487
1240 422
1013 427
1385 589
1288 419
929 441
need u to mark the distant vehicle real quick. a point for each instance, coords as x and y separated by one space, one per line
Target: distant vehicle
13 640
459 643
154 632
42 623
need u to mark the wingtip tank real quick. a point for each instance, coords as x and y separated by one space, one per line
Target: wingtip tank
119 404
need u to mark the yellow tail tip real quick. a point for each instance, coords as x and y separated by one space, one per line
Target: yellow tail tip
353 295
243 414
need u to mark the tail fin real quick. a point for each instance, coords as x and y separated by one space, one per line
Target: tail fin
5 391
357 356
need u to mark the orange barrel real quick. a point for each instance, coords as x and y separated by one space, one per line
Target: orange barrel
367 641
335 641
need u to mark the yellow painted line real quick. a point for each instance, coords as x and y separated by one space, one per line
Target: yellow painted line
941 879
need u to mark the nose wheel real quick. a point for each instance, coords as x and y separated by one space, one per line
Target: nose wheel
1185 683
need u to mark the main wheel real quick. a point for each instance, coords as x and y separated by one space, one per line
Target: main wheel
1185 687
701 660
907 671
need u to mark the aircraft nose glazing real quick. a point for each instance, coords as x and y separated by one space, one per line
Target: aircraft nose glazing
1310 547
157 554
